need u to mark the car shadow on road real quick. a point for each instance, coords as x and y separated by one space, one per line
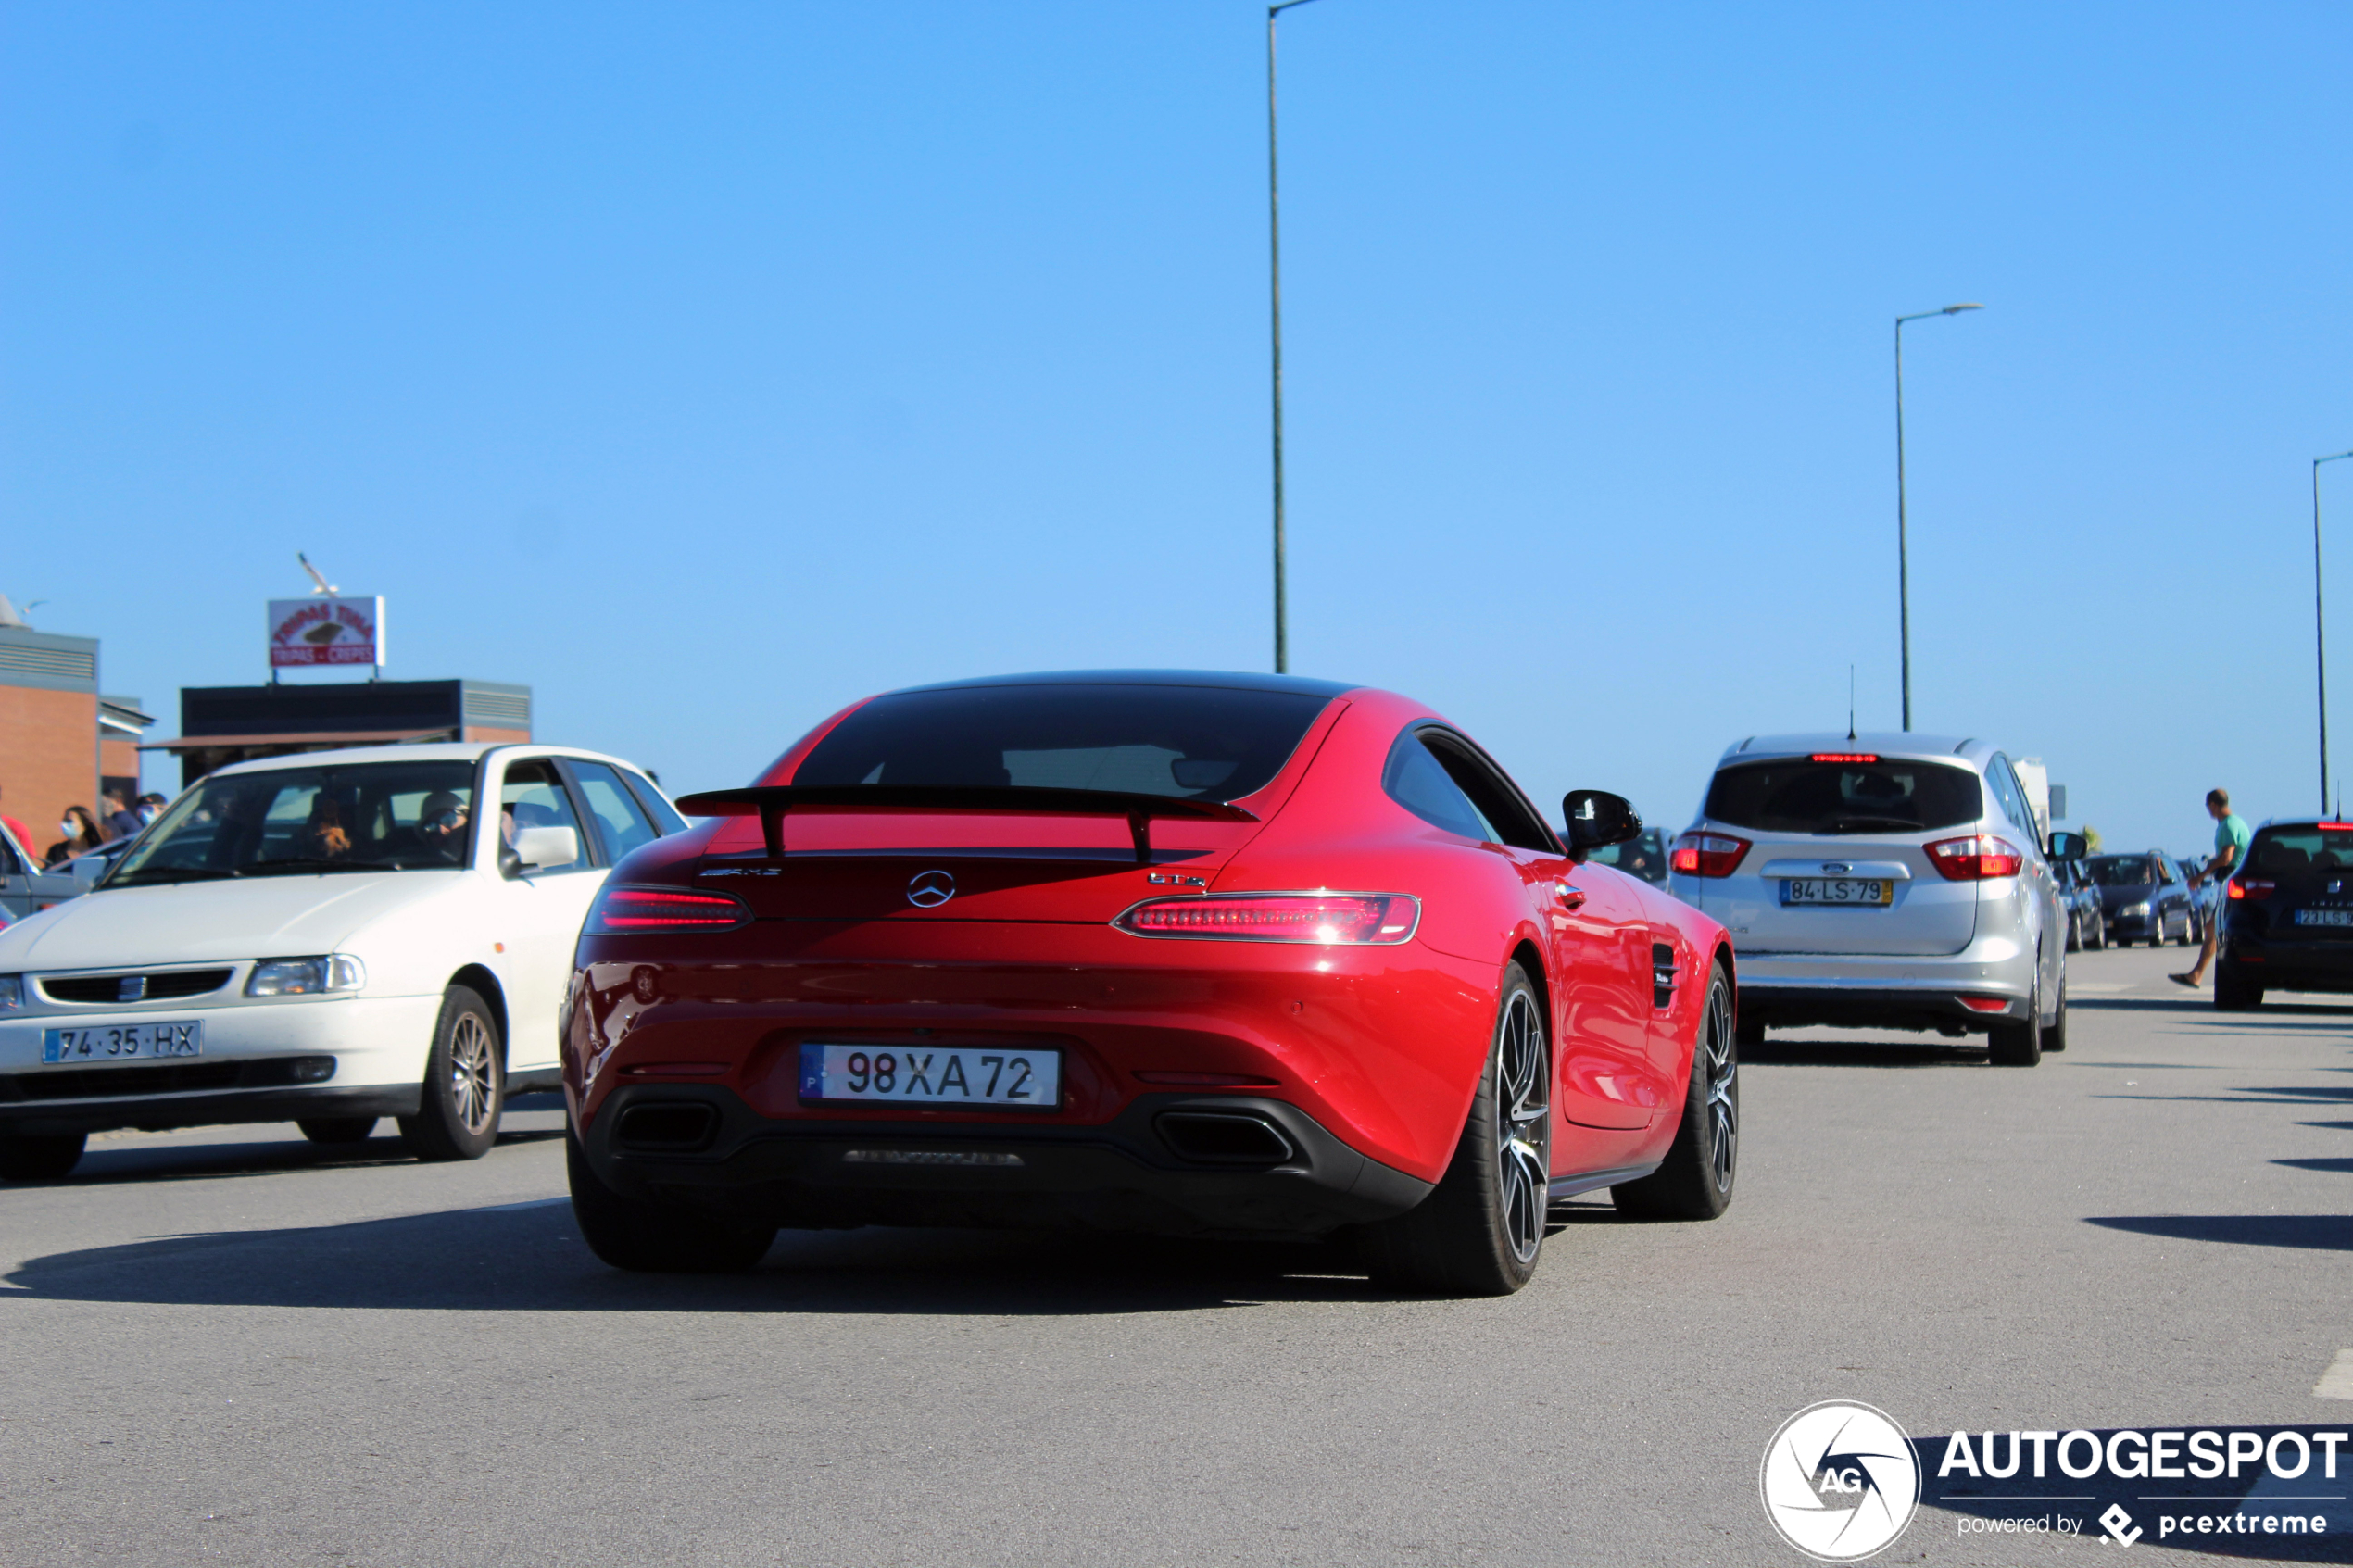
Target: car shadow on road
1862 1053
106 1164
529 1257
2323 1233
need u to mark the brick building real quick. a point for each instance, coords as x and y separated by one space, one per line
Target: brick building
62 743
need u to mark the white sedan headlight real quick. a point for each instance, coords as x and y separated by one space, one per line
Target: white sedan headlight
306 977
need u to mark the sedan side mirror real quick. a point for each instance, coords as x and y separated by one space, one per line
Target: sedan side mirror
540 849
2069 846
1596 818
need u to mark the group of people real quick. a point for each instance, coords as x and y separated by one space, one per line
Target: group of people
85 830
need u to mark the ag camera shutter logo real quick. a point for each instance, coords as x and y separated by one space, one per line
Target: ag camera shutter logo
1840 1481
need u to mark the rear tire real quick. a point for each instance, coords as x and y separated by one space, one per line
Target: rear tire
2191 935
1696 1180
465 1083
2074 934
1480 1230
2019 1044
662 1238
41 1159
337 1130
2099 934
2234 991
2055 1037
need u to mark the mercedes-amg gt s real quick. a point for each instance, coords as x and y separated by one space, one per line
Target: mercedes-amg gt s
1191 953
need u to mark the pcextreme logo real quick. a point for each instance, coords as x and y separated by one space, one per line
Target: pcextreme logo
1840 1480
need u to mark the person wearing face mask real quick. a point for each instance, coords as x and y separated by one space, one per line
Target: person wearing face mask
82 834
150 807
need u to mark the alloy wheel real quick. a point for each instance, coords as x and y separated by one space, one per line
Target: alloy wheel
1722 1066
470 1072
1523 1125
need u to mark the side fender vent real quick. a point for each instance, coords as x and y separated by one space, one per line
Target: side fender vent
1662 974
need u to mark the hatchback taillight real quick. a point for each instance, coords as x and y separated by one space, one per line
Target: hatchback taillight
626 909
1348 918
2255 890
1707 854
1975 858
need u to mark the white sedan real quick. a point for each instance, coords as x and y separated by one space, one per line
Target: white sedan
326 939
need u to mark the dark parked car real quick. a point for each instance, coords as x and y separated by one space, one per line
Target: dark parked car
2288 918
2086 911
1644 857
2144 898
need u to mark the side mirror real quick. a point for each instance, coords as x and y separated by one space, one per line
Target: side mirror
541 848
2069 846
1596 818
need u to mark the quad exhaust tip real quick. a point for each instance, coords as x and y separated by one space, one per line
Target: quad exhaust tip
1223 1137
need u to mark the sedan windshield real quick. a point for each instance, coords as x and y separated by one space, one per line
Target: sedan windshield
2120 871
369 817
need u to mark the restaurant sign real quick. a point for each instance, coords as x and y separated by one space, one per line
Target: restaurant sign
326 628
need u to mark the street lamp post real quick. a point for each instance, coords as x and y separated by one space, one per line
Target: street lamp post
2320 630
1903 543
1274 299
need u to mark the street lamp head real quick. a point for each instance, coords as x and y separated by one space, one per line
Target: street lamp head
1956 310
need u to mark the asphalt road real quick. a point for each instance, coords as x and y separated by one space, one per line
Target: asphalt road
225 1346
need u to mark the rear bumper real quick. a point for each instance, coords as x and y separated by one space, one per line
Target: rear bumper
1125 1175
1862 1006
2292 966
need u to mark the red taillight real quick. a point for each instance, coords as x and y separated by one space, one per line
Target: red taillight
1355 919
1975 858
621 909
1707 854
1986 1004
1843 757
2255 890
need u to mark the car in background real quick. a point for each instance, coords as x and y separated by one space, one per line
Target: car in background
27 887
1172 952
1885 881
1644 856
2287 914
326 938
2144 897
2086 913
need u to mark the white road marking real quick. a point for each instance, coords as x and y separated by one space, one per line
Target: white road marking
551 1202
2337 1382
2101 986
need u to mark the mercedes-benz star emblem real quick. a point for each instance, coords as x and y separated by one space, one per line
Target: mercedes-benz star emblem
928 890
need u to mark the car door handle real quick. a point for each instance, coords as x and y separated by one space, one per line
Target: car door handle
1570 897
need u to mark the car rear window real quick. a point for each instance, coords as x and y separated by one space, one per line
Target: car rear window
1195 743
1797 795
2121 870
2284 854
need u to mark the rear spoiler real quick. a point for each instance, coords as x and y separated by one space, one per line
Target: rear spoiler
770 802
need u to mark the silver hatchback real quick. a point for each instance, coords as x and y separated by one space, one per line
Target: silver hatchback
1884 881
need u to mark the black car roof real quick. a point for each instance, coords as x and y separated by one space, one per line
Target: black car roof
1224 679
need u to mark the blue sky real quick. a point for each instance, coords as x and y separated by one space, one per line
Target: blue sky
707 367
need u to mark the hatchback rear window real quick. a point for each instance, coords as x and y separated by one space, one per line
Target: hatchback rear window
2121 870
1799 796
2284 854
1196 742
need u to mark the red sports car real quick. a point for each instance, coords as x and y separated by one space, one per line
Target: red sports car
1193 954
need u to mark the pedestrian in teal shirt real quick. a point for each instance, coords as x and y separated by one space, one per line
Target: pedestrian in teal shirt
2231 837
